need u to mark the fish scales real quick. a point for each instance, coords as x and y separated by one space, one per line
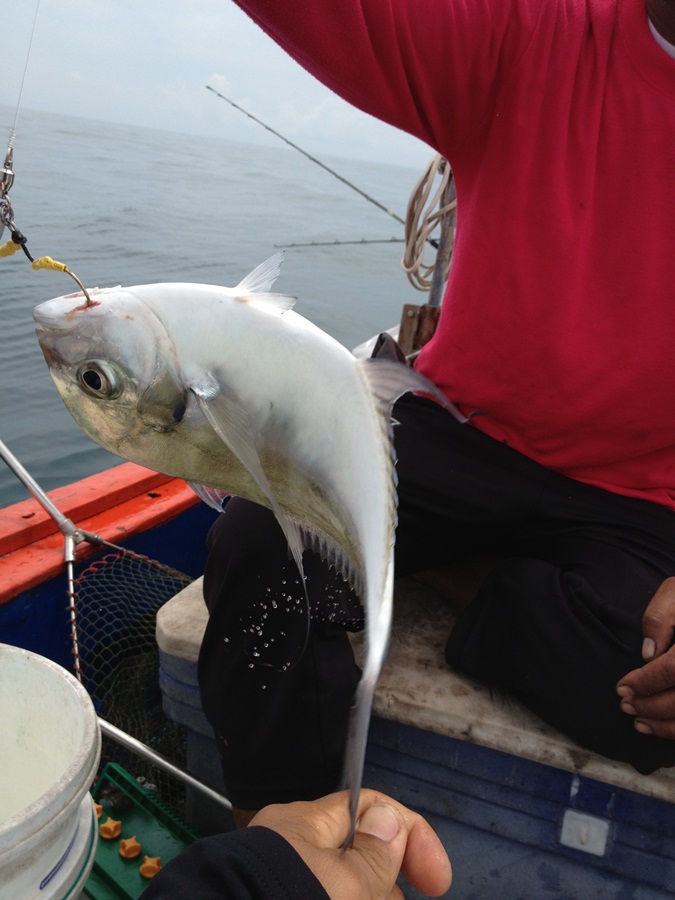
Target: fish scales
233 391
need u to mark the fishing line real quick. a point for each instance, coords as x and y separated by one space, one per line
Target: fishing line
17 240
12 131
313 159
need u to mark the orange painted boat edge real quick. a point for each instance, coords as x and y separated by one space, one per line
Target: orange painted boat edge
114 504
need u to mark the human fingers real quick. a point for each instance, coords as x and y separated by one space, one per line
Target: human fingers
377 850
658 621
425 863
317 830
648 693
415 848
388 836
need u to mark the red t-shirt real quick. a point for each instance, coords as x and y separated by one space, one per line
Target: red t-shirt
558 119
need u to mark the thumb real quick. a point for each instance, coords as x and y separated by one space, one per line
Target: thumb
380 839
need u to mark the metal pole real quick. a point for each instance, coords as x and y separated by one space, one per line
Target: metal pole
24 476
136 746
73 536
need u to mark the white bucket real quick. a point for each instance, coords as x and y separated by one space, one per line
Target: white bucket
50 745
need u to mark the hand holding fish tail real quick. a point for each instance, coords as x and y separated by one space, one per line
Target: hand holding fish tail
389 839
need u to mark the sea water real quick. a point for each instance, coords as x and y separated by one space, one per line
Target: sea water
132 206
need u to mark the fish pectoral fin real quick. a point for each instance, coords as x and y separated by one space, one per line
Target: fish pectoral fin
389 380
256 287
231 423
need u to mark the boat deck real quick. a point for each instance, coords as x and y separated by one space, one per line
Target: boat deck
524 811
419 689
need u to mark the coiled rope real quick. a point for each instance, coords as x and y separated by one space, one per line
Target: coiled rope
425 213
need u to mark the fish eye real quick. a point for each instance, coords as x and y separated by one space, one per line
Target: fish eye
99 380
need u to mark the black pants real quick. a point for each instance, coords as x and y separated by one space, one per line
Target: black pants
557 622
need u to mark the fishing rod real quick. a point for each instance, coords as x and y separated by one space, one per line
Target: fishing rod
339 243
314 160
7 173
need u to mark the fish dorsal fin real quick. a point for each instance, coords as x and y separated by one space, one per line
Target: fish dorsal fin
389 380
256 287
231 423
280 303
262 278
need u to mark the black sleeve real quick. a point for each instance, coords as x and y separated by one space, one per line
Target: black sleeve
251 864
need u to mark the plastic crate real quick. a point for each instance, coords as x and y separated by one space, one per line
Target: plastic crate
159 831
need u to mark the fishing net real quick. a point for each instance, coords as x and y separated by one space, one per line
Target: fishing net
116 599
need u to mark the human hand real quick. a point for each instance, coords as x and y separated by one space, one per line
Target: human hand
389 838
648 693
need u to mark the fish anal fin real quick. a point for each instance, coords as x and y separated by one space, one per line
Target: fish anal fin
337 557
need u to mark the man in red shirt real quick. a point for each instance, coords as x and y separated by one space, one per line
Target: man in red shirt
558 119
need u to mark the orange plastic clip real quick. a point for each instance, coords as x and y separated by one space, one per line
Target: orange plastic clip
130 848
110 829
150 866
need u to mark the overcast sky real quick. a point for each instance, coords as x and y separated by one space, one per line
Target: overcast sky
147 62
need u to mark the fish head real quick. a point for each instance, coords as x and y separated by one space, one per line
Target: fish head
114 365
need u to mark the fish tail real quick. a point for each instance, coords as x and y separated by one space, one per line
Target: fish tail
356 745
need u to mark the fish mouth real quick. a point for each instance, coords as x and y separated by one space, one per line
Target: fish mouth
55 315
53 358
42 317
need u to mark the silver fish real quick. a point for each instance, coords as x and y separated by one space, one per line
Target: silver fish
230 389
